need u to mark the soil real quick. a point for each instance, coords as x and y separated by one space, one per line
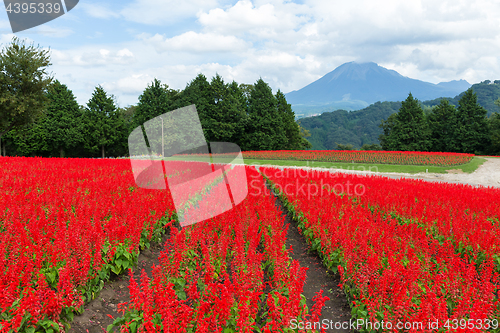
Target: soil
335 310
456 171
95 317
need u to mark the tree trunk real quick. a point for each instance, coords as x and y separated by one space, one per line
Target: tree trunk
102 150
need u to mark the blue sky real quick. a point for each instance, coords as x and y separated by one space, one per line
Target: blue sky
123 45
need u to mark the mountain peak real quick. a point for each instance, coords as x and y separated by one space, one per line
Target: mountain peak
358 70
366 83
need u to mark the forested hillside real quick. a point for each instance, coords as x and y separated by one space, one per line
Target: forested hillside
487 93
362 127
344 127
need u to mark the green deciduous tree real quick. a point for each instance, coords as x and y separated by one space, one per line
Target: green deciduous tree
494 127
127 114
372 146
246 89
226 117
411 126
472 129
199 93
23 84
388 139
341 146
61 127
304 133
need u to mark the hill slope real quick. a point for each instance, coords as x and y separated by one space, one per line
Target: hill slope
354 85
360 127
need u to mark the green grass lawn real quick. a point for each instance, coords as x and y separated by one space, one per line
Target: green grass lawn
467 168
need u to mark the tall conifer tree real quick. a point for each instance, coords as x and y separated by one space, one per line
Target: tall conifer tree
472 132
410 130
155 100
291 128
265 127
443 126
103 126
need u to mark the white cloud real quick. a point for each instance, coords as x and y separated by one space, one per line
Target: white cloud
42 30
288 44
124 53
95 57
198 43
264 21
98 10
50 31
130 85
6 39
5 25
164 12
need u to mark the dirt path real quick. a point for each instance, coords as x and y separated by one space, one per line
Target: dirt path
96 315
336 310
487 174
95 318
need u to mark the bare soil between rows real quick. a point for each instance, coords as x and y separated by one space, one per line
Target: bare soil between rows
336 309
96 315
98 312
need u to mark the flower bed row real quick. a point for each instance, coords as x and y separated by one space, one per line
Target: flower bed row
465 215
374 157
231 273
398 277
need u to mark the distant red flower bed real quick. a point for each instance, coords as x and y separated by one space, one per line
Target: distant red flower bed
378 157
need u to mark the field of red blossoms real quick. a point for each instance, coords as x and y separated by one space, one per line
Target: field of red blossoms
67 225
356 156
413 256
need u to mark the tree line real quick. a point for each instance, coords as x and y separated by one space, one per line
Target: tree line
443 127
39 116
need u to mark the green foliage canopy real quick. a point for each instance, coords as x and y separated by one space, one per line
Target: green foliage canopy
23 84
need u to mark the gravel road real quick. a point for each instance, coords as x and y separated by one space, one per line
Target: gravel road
487 174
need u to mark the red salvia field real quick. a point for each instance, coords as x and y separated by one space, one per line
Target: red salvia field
68 223
373 157
407 251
